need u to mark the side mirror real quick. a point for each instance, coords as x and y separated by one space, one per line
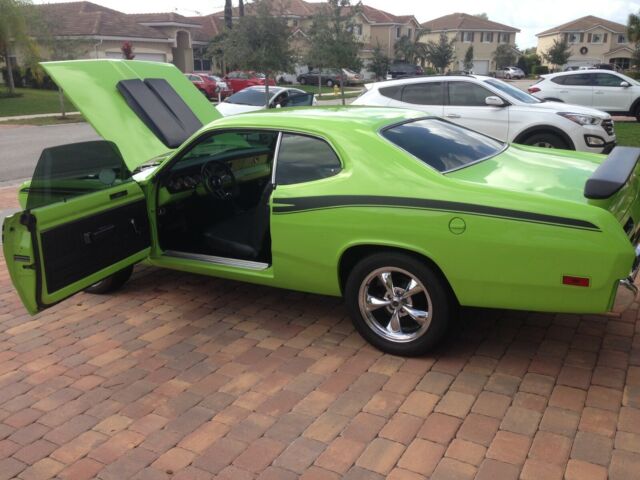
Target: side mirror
494 101
624 84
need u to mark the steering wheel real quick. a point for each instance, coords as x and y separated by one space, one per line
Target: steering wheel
219 180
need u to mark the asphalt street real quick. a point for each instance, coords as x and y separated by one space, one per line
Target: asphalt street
20 146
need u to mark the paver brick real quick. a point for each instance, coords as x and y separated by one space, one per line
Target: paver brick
455 404
451 469
580 470
479 429
465 451
592 448
439 428
380 456
340 455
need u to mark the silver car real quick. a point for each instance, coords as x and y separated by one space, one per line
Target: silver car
510 72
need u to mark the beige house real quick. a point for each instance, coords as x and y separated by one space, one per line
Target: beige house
78 30
592 40
372 27
470 30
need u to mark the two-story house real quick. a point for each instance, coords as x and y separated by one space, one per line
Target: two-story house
592 40
470 30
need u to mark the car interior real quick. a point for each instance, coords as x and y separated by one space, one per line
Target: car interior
214 200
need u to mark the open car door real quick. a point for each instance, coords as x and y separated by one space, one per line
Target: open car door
85 219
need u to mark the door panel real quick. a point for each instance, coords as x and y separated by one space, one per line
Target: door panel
608 95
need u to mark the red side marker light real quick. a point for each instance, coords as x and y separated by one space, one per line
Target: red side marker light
575 281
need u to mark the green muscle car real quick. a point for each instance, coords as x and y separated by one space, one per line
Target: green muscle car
406 216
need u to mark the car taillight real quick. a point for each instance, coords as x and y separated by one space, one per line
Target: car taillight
533 89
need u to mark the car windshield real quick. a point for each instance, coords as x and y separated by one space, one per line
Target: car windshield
249 96
442 145
512 91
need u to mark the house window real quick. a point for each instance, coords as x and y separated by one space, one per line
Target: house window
573 38
597 38
295 22
201 63
622 38
503 37
398 32
358 29
486 37
467 37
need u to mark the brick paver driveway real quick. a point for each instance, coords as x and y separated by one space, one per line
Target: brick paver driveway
185 377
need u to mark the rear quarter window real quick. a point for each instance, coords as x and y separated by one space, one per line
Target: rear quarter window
394 92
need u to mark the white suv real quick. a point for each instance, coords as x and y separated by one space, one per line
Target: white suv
497 109
605 90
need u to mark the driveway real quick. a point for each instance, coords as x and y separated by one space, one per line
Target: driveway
186 377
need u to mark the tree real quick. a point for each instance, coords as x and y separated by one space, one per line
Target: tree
633 34
411 50
440 54
332 40
228 14
14 19
558 54
468 59
379 62
504 56
260 42
241 9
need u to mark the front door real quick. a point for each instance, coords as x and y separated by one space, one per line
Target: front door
467 107
85 219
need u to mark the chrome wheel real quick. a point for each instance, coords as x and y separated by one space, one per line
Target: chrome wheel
395 304
543 144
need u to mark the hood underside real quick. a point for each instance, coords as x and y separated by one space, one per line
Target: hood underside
92 86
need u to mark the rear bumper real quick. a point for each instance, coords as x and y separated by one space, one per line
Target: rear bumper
627 292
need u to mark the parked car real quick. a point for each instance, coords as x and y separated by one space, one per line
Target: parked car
510 73
351 77
400 70
223 89
205 84
498 109
253 98
406 216
239 80
328 77
605 90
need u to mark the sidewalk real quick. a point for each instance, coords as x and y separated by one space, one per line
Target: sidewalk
39 115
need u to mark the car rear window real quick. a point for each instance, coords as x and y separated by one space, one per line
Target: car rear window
442 145
249 96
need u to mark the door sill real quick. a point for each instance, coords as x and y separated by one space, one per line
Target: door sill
229 262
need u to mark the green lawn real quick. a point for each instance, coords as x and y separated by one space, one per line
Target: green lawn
628 133
31 102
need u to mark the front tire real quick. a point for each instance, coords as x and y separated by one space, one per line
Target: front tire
398 303
329 83
112 283
637 113
546 140
303 81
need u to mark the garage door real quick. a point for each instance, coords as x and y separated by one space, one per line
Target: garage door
481 67
147 57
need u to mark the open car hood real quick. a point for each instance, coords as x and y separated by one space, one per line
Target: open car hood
92 86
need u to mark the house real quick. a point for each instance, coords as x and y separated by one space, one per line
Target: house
592 40
78 30
372 27
470 30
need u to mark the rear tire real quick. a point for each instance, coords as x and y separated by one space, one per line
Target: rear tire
637 113
112 283
546 140
329 83
303 81
378 294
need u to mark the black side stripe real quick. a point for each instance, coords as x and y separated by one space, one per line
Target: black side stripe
305 204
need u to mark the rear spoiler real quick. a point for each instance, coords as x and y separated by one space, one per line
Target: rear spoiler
613 173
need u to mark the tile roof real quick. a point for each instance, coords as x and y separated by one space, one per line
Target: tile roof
169 17
90 19
464 21
585 23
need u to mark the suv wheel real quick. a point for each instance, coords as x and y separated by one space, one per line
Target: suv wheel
637 113
398 303
112 283
303 81
329 83
546 140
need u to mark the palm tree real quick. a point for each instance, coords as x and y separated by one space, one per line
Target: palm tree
228 14
633 27
13 29
411 50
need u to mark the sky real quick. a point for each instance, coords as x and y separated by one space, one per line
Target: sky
530 16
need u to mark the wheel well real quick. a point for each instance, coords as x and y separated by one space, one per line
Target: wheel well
635 108
354 254
522 136
552 99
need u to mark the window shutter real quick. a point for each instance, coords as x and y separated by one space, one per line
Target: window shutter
582 38
566 37
605 37
473 34
481 36
589 38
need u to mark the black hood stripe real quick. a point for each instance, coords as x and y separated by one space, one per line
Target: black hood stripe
305 204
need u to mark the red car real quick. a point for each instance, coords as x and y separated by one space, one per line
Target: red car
205 84
240 80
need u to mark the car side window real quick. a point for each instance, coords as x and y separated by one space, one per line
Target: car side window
559 80
607 80
578 80
69 171
467 94
392 92
303 159
427 93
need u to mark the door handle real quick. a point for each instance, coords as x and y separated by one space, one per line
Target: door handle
598 92
564 91
452 115
120 194
100 233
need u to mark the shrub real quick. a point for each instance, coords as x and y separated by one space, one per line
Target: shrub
18 81
540 70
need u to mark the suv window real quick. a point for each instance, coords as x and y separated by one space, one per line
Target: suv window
559 80
394 92
304 159
579 79
69 171
428 93
467 94
606 80
442 145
